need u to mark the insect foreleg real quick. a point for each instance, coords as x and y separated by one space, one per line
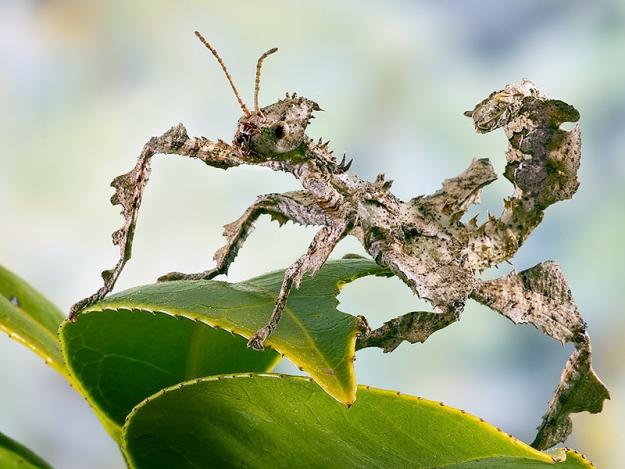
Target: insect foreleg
297 206
129 189
320 248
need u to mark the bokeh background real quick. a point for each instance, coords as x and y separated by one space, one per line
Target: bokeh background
83 84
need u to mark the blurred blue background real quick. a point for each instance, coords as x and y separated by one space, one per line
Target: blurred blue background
84 84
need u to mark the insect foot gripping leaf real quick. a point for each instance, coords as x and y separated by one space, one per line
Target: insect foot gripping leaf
423 241
129 189
178 330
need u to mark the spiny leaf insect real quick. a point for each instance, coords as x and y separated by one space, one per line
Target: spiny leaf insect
423 241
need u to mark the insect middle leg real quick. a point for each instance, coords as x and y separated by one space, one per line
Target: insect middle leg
298 207
320 248
411 327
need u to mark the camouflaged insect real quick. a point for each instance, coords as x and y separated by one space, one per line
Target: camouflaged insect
423 240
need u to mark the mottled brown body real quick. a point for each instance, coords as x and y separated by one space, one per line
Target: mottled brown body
423 241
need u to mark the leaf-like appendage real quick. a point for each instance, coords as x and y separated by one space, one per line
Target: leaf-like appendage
541 296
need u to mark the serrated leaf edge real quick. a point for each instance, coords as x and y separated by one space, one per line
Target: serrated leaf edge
347 395
539 455
109 425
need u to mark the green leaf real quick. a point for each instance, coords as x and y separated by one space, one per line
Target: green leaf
119 357
312 333
570 460
28 317
15 456
258 421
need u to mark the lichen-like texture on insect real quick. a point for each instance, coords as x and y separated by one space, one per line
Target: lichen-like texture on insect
422 241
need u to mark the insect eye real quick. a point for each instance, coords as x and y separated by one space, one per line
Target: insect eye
280 130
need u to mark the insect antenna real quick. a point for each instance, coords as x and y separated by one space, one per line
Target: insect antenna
259 64
246 111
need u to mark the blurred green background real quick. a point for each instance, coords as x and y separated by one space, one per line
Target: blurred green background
84 84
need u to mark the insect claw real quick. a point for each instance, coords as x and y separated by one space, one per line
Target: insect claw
257 342
342 166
